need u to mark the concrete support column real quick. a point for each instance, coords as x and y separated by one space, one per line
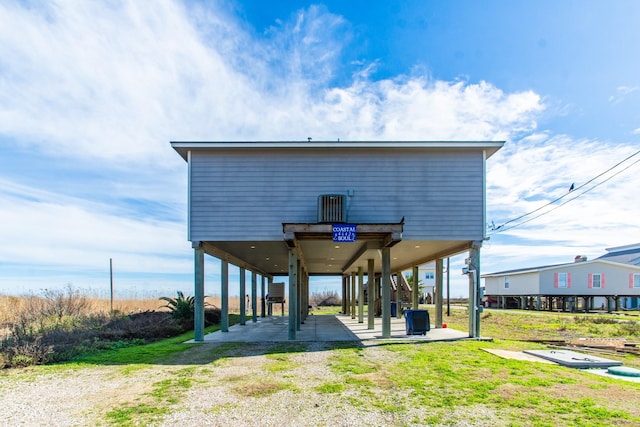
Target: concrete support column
224 296
254 297
263 302
293 292
198 318
474 290
415 288
371 294
385 283
438 292
538 303
360 295
243 289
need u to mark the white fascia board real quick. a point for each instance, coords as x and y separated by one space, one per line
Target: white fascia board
490 147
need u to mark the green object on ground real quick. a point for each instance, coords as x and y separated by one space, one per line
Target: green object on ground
624 371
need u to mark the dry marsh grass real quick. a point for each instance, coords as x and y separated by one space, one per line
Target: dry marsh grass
11 306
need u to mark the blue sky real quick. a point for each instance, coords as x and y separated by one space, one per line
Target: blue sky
91 93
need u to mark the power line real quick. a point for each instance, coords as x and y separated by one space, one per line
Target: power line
571 192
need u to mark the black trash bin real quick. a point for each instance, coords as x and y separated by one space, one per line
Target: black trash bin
417 322
394 309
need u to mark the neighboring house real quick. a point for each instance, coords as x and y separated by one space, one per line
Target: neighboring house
427 278
609 282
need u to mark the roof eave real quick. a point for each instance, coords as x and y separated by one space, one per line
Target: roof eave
183 147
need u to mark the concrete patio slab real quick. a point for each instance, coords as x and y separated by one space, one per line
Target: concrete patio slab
326 328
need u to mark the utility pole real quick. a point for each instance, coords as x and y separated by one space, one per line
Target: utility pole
111 283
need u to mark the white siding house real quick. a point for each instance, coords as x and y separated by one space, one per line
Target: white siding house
608 282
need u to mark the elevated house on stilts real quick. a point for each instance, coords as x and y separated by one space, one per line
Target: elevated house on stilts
352 209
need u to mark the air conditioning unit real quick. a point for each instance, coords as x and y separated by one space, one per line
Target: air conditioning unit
332 208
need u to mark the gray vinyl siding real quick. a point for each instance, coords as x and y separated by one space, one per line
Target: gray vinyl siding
248 194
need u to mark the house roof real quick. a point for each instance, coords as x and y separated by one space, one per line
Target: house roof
523 270
183 147
629 254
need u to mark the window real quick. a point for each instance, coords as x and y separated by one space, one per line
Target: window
563 280
596 281
636 280
506 283
430 275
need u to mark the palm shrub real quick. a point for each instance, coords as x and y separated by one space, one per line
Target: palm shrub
182 308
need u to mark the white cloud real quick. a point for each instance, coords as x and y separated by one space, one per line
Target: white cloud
117 82
621 93
49 232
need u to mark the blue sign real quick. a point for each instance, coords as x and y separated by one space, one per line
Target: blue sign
344 232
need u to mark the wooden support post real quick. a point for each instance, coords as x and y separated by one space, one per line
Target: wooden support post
224 296
299 294
353 296
293 297
360 295
305 287
254 297
243 289
398 295
378 289
415 288
345 294
371 294
270 305
448 286
262 296
198 318
386 292
438 292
